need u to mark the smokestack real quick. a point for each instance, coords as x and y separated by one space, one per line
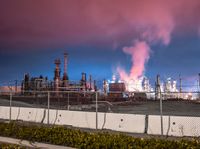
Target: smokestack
180 81
157 89
26 82
95 86
90 79
86 87
83 80
15 86
57 69
57 74
65 76
83 76
65 62
105 86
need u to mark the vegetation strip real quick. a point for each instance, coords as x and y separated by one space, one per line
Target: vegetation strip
10 146
59 135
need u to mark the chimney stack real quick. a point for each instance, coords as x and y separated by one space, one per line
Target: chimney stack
65 76
57 74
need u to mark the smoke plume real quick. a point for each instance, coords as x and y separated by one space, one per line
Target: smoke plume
139 56
140 50
158 29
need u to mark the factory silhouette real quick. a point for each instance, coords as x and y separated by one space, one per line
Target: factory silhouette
111 90
59 83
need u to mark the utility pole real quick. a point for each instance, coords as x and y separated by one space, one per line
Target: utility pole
158 96
96 96
48 106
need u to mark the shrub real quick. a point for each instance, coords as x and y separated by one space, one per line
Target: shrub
10 146
59 135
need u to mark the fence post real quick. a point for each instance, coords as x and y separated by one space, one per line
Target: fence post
96 110
68 101
161 115
48 103
10 116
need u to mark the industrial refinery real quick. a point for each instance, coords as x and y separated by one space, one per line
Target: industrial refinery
60 82
114 88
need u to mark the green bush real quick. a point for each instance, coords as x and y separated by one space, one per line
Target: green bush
10 146
89 140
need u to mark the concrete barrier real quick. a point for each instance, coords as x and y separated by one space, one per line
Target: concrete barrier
134 123
76 119
15 113
154 125
4 112
174 125
27 114
184 126
118 122
123 122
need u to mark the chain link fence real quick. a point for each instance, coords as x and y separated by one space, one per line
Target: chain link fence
180 103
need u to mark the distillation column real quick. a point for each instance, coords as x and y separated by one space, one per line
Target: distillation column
57 75
65 76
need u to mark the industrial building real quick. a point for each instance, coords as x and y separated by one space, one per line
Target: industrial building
59 83
112 90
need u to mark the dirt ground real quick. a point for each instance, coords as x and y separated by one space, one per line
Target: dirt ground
178 108
147 107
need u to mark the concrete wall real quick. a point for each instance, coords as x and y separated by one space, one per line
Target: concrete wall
134 123
112 121
174 125
4 112
122 122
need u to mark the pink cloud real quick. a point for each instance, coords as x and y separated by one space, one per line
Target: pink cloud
112 23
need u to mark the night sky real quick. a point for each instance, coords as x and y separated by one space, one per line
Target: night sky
94 32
